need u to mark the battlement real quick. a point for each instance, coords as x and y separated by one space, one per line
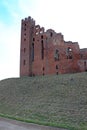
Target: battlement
28 19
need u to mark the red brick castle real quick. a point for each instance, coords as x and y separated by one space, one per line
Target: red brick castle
46 52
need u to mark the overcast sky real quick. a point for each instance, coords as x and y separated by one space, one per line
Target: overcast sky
66 16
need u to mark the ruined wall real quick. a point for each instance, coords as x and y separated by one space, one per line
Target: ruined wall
46 52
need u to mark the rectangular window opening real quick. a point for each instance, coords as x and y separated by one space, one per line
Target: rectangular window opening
24 62
41 36
24 29
33 39
24 50
24 39
32 51
42 50
56 73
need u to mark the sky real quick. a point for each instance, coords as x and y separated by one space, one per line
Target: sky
66 16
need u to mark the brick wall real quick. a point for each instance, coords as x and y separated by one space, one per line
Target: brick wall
46 52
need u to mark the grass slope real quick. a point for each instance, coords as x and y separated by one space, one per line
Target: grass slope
51 100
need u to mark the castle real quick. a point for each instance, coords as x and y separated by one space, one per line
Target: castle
45 52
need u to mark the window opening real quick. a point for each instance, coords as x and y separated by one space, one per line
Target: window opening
56 55
81 56
41 31
33 39
41 36
56 73
24 50
32 51
70 57
69 53
33 74
51 34
37 33
24 62
85 66
37 27
41 41
69 49
43 68
84 63
42 49
24 29
56 66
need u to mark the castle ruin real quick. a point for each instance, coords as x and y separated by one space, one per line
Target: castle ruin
45 52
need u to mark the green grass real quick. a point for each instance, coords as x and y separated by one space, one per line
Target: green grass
58 100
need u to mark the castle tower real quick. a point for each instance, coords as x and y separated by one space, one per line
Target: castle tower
27 31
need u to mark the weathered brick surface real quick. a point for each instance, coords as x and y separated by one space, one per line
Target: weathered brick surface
45 53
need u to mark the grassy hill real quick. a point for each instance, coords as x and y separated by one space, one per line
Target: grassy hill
58 100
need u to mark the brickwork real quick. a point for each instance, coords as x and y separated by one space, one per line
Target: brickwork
46 52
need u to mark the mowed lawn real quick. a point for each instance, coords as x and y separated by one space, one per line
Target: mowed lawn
58 100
